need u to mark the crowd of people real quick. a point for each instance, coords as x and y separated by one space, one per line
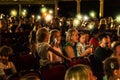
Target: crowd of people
57 42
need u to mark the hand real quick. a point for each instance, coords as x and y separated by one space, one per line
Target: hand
89 50
69 59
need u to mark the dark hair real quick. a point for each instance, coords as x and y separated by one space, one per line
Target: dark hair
32 37
103 35
5 51
110 64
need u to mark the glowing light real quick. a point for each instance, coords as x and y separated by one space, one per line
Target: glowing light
85 18
57 8
76 22
38 17
92 14
91 25
13 13
33 16
48 17
79 16
44 9
24 12
51 11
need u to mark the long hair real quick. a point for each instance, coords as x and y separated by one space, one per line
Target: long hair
78 72
70 33
52 36
41 34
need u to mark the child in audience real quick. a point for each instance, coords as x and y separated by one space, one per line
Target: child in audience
112 68
43 47
7 68
82 49
79 72
55 41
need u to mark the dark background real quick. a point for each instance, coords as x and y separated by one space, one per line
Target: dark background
68 8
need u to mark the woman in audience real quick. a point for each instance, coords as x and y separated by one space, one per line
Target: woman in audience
79 72
55 41
43 47
7 68
112 68
69 49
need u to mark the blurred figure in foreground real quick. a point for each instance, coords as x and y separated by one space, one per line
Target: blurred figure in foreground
79 72
112 68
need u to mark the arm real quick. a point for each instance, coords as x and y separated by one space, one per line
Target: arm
82 54
70 52
58 53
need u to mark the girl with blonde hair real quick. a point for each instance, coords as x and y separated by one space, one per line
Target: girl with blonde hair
79 72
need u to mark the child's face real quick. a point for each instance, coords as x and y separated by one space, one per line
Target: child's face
83 38
58 37
4 59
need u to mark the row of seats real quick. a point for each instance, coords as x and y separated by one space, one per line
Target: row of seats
27 64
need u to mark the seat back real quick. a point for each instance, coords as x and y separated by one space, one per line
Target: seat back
55 72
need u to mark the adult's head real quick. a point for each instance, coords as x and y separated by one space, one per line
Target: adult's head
79 72
103 40
72 35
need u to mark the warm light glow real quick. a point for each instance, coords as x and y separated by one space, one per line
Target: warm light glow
76 22
92 14
43 10
48 17
51 11
57 8
79 16
13 13
85 18
91 25
33 16
38 17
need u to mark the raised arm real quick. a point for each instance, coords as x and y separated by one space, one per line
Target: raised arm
58 53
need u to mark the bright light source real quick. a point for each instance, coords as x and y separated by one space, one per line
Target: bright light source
23 14
51 11
38 17
13 12
79 16
76 22
48 17
33 16
85 18
91 25
92 14
43 10
57 8
25 10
